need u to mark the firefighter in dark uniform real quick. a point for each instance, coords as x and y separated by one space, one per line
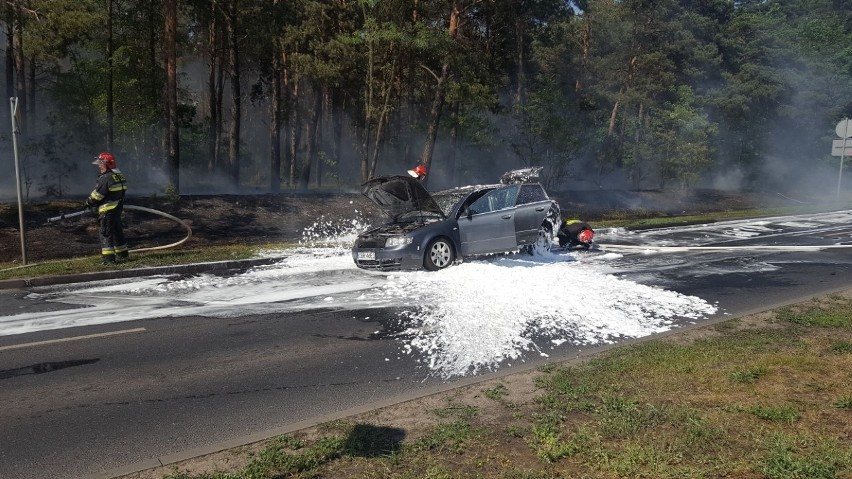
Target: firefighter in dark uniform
575 232
108 199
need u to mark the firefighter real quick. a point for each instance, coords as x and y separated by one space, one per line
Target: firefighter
418 172
108 200
575 232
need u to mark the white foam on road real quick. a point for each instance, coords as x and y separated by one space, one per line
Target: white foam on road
461 320
477 315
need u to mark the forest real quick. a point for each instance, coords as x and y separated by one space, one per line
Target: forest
265 96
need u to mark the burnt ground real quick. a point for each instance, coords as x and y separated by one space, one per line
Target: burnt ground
257 219
214 220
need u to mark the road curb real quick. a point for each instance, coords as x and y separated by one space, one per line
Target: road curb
23 283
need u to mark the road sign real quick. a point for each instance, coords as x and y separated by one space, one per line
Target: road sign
844 129
838 145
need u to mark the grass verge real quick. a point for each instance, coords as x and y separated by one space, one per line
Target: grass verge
146 259
763 396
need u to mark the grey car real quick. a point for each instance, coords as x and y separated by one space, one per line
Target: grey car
433 231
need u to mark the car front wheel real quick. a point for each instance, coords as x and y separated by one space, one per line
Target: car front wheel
439 254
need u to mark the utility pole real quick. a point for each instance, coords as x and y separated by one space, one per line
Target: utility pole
844 131
15 132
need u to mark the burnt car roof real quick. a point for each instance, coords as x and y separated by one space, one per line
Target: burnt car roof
397 195
521 175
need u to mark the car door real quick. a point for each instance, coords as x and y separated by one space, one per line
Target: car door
532 207
488 224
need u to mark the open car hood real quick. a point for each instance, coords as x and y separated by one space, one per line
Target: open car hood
399 195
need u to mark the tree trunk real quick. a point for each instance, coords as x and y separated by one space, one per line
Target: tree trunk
220 104
338 135
324 121
275 125
170 39
440 95
212 91
287 116
410 102
612 117
454 142
435 119
295 137
311 140
110 85
368 114
381 122
20 70
520 58
636 170
236 93
31 88
10 53
585 47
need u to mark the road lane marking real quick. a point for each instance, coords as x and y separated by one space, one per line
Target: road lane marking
74 338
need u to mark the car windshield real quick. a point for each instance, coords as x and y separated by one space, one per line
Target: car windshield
417 215
449 198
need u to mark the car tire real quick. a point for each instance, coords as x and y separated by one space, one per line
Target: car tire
544 242
439 254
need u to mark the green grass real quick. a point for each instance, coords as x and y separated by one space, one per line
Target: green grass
748 376
826 318
90 264
497 393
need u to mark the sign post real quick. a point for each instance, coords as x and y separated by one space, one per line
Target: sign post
14 104
844 131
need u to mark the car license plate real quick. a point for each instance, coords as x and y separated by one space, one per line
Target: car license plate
368 255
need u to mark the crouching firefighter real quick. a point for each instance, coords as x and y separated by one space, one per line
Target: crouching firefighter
575 233
108 199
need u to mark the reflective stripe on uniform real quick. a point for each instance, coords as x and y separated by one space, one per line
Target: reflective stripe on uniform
108 206
107 251
96 196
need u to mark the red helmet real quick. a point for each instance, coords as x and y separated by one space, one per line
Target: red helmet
419 171
107 159
586 236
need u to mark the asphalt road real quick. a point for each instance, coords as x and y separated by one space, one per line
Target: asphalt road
77 407
123 396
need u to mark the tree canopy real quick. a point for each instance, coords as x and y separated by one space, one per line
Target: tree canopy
264 95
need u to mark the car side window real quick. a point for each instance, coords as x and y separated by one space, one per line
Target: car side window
498 199
531 194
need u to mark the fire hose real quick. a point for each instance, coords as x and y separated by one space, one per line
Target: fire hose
127 207
138 208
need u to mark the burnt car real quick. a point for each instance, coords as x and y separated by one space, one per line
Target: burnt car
434 230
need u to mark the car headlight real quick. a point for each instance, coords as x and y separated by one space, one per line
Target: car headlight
398 241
